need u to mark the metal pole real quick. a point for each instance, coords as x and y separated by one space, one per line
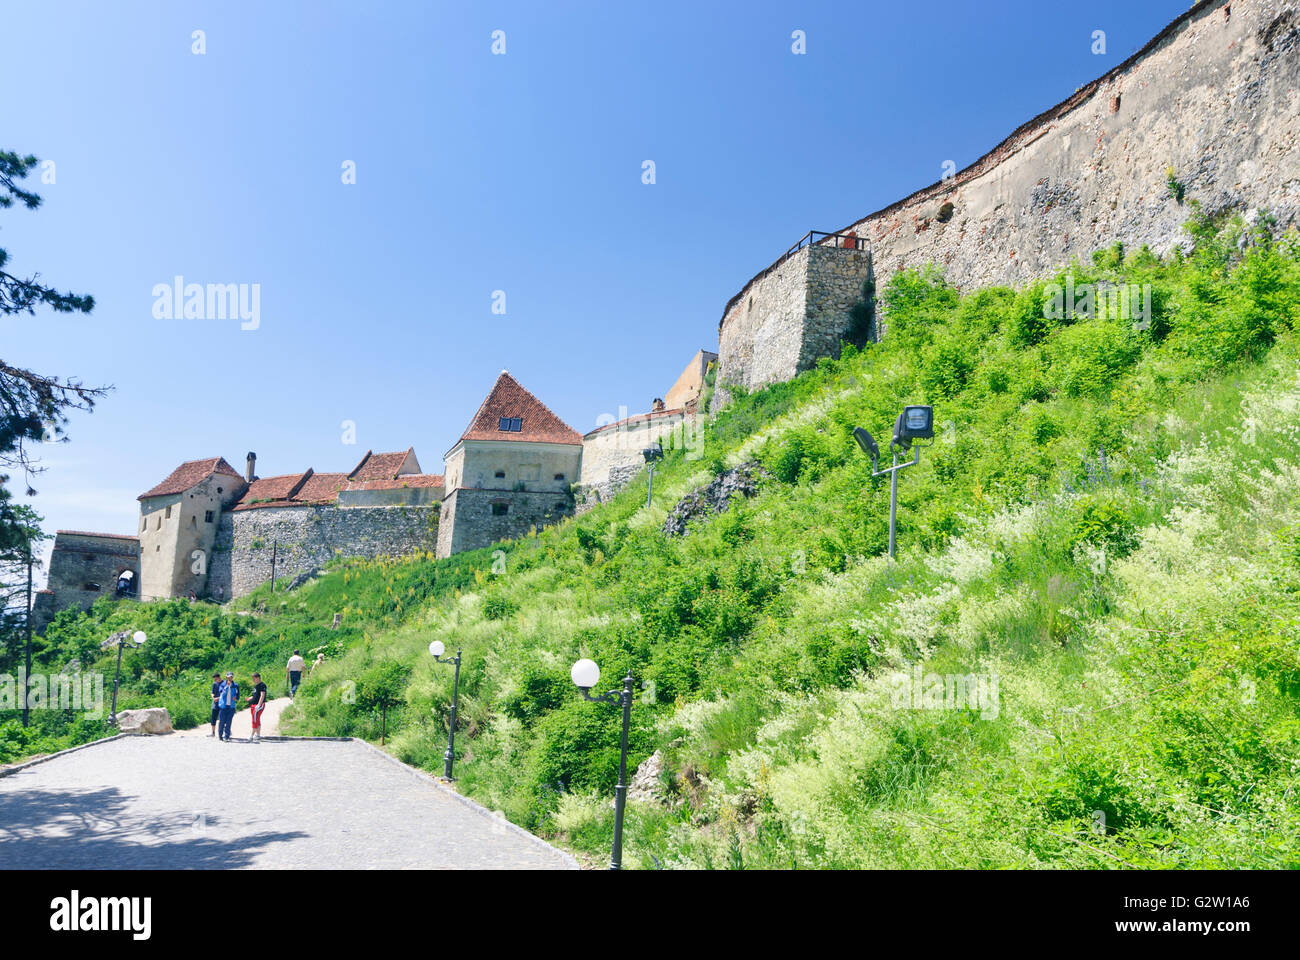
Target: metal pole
112 711
650 486
620 791
27 677
451 728
274 545
893 505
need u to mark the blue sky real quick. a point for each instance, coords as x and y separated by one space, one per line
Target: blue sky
475 173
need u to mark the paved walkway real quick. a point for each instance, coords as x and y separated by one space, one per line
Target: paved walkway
180 802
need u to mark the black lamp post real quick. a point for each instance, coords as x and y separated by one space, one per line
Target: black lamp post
120 640
437 648
27 631
586 675
651 454
914 423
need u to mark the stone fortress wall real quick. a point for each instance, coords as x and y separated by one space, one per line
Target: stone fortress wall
469 520
611 454
1215 96
306 538
83 568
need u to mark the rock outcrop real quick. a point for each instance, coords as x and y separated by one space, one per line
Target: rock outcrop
647 783
714 497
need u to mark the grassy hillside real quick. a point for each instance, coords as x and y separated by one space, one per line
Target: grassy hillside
1106 531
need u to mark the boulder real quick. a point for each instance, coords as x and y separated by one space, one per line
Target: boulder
148 720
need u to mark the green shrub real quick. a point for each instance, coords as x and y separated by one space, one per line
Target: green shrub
499 607
1103 521
540 689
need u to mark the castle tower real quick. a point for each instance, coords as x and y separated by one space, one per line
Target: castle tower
685 393
178 526
84 567
793 313
511 470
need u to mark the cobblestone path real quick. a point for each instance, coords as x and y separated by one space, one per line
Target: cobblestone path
193 802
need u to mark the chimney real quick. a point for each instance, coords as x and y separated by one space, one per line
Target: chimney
252 466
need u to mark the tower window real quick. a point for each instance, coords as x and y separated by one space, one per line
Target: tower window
168 514
500 474
510 424
207 516
559 476
500 509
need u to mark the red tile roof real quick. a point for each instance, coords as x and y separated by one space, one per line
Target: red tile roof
508 398
282 487
381 466
189 473
397 483
322 488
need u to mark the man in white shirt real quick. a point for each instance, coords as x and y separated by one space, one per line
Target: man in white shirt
293 672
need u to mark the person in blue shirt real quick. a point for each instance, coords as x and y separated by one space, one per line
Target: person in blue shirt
227 704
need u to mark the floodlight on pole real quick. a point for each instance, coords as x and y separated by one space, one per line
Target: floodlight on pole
651 454
916 422
868 444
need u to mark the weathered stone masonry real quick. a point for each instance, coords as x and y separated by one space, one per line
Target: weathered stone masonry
611 454
791 315
476 518
1215 96
309 537
83 568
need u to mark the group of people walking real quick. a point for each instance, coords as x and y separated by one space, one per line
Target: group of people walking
226 698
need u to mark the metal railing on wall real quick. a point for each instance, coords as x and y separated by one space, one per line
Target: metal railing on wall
850 241
847 240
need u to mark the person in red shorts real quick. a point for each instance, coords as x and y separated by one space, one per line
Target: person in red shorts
258 702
